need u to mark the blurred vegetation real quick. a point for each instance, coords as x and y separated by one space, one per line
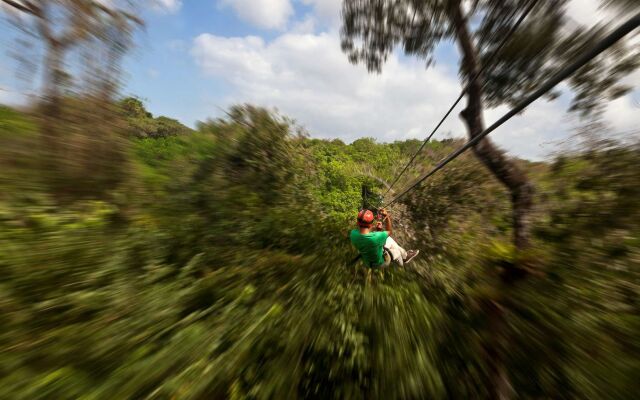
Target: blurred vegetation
216 265
142 124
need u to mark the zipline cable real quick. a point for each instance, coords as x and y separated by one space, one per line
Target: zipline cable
462 93
581 61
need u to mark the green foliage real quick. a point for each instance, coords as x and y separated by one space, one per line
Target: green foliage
134 108
17 159
78 155
218 269
142 124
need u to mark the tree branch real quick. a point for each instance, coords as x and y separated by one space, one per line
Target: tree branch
26 8
43 25
117 13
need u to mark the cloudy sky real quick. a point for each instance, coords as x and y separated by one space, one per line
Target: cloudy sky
198 56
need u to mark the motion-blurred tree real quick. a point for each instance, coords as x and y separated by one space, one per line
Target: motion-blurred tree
546 42
82 21
78 135
142 124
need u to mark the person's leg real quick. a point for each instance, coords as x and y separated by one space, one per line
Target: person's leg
396 251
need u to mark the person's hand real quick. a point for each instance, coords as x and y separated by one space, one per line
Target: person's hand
383 212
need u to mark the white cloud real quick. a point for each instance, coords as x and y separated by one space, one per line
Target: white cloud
307 77
306 25
586 12
267 14
166 6
623 115
593 12
538 132
328 10
238 57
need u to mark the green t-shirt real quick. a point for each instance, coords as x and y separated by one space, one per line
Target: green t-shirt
370 245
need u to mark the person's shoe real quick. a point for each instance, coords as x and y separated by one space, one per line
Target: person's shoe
411 254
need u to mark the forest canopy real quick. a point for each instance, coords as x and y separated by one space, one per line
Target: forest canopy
195 277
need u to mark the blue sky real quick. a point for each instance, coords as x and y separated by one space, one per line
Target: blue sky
197 56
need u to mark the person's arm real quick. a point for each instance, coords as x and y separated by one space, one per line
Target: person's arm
387 221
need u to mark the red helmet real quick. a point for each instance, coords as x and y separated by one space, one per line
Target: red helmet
365 218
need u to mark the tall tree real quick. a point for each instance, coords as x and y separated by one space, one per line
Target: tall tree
62 25
372 29
83 42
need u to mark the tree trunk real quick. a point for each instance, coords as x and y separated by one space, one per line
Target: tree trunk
513 178
504 169
52 76
53 80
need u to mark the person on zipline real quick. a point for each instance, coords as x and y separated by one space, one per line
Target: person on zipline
372 245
